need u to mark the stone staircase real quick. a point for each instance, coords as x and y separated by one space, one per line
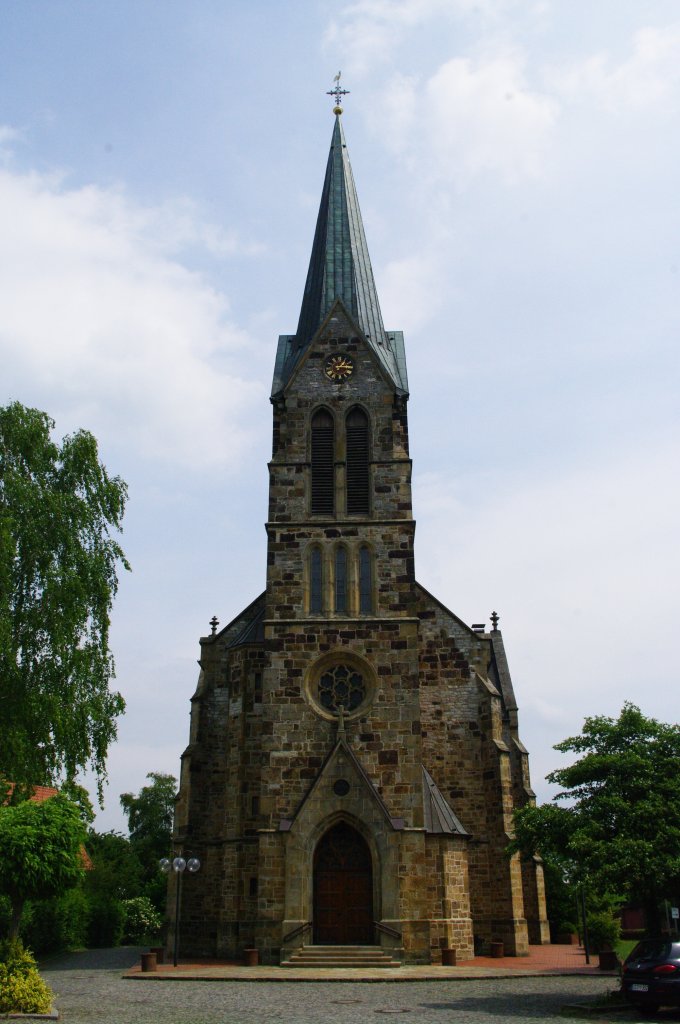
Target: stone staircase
340 956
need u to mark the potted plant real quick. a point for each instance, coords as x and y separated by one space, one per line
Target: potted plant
567 934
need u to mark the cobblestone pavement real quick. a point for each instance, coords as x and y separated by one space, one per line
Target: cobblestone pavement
89 989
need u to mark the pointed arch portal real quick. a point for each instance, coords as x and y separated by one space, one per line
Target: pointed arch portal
343 889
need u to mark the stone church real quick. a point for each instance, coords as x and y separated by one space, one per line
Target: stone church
354 756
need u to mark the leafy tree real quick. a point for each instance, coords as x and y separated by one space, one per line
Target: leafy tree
41 846
79 796
116 869
561 898
150 814
620 830
58 578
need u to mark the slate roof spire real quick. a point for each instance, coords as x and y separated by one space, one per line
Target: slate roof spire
340 269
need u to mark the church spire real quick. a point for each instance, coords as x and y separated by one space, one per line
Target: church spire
340 269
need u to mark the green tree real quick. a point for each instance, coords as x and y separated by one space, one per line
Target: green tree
116 876
620 828
116 870
41 845
58 578
79 796
150 815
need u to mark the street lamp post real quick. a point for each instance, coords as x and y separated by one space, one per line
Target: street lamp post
179 865
586 940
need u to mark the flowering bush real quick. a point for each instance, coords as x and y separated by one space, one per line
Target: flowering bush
142 920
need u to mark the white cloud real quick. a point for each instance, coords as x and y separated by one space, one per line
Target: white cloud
483 116
647 78
471 118
368 32
97 310
8 135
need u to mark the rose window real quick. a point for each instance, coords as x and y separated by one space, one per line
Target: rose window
341 686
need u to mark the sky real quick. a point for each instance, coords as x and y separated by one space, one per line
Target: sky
516 161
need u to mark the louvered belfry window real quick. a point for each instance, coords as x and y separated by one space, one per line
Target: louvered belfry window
357 463
323 467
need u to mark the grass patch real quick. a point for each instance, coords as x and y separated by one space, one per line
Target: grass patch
624 947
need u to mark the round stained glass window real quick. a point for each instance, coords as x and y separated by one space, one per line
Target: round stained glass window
341 686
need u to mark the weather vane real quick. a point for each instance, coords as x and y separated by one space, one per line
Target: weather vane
338 93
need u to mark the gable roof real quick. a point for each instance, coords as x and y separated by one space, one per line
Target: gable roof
247 627
343 747
438 818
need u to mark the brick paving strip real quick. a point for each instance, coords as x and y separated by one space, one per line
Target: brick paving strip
546 961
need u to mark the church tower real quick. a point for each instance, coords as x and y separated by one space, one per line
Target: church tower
354 759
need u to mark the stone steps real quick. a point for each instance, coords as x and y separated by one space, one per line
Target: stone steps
340 956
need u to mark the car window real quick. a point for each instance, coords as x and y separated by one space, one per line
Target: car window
651 949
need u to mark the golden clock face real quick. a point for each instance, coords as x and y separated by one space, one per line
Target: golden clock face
338 367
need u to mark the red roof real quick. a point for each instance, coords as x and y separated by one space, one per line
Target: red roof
41 793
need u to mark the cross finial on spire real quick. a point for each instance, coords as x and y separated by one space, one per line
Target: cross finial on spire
494 619
338 93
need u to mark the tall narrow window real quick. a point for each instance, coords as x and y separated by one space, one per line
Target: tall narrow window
357 462
323 467
315 582
365 581
340 580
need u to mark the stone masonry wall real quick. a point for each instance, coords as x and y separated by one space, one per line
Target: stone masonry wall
256 788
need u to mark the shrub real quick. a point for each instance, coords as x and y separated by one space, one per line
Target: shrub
48 926
39 926
604 930
74 908
22 990
142 920
106 923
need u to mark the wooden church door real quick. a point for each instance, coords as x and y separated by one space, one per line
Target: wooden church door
343 889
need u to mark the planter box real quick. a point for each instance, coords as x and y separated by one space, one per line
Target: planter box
149 962
608 960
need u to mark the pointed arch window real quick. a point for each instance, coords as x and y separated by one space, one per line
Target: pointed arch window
357 435
315 581
341 580
323 466
365 581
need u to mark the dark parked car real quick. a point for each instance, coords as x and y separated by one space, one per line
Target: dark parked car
651 974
